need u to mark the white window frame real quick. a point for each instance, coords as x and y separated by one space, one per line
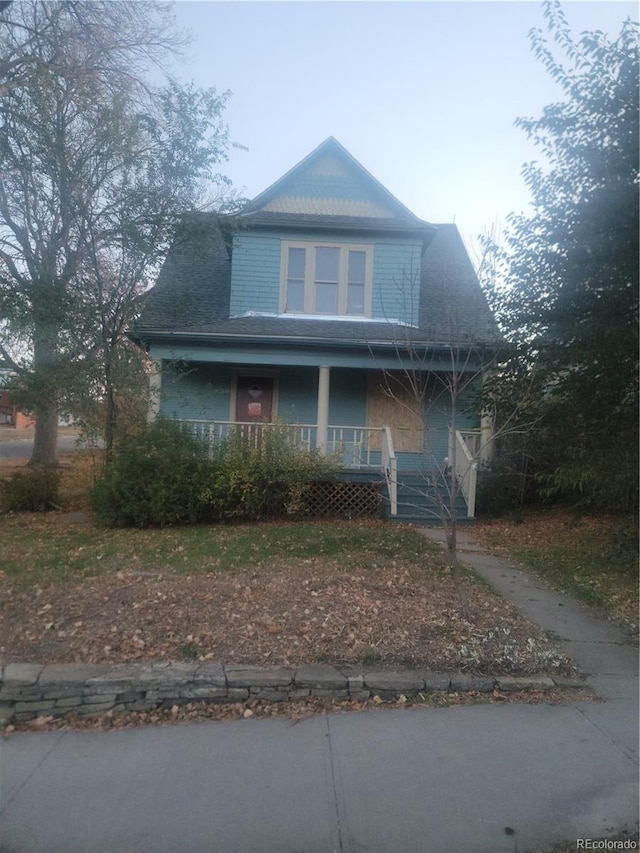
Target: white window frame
309 275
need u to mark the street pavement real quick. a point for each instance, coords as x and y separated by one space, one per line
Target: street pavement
18 444
465 779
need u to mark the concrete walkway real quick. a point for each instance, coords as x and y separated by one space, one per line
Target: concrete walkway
473 779
600 648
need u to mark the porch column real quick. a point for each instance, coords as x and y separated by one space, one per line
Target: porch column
486 431
155 387
486 437
323 409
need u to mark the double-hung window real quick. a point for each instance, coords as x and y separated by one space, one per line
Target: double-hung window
326 278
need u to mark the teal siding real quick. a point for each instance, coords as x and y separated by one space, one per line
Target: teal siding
348 399
255 274
439 416
298 395
437 432
396 270
198 392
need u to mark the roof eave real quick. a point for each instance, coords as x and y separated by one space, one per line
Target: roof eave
149 335
423 229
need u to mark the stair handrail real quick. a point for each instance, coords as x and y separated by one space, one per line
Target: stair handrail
390 469
466 471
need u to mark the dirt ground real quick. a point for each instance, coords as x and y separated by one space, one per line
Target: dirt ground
304 611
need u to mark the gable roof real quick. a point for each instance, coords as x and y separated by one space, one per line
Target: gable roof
330 188
191 299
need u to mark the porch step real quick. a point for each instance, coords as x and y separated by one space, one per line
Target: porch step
418 501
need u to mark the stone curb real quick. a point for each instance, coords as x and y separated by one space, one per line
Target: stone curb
30 690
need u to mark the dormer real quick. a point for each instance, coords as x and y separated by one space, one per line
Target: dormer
327 239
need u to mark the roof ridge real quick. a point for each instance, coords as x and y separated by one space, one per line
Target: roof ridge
333 146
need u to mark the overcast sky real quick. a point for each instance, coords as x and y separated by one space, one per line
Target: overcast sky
423 94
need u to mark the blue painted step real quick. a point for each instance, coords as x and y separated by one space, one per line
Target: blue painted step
419 499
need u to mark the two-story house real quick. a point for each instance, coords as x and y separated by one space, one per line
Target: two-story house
326 304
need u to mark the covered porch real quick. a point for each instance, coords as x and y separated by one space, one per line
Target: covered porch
346 414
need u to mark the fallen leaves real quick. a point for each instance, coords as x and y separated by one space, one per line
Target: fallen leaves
299 612
294 712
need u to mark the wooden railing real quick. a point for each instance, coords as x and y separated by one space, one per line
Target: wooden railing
298 435
467 448
355 447
390 469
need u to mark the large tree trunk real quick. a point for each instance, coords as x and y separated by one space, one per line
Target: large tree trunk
45 443
45 363
111 411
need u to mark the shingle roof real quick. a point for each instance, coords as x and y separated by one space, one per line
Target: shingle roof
194 285
191 297
453 307
333 191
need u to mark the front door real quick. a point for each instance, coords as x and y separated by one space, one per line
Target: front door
254 399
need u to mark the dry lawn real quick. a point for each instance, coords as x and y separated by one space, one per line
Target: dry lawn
383 598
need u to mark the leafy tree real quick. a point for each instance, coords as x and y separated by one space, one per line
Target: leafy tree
95 168
569 271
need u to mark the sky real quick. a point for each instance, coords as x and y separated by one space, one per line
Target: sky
423 94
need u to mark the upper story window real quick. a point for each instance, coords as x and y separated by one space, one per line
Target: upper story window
326 278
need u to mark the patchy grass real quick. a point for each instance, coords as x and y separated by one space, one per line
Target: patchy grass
41 548
54 547
593 559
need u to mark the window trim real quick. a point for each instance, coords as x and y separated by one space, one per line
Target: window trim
309 275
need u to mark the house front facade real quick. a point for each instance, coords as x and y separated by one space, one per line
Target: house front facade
325 305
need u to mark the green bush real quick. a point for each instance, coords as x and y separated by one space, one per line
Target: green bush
167 476
504 485
264 476
156 478
32 490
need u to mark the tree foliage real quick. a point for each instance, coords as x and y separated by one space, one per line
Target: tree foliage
568 272
95 168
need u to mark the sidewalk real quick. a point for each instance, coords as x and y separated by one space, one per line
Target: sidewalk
600 648
468 779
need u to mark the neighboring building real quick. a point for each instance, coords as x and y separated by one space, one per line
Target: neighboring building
322 293
10 415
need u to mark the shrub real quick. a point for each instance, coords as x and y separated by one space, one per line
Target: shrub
504 485
32 490
167 476
157 478
264 477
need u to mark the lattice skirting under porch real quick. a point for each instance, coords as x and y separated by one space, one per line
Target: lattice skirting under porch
345 500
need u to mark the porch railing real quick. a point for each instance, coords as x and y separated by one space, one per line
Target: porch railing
355 447
467 448
298 435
